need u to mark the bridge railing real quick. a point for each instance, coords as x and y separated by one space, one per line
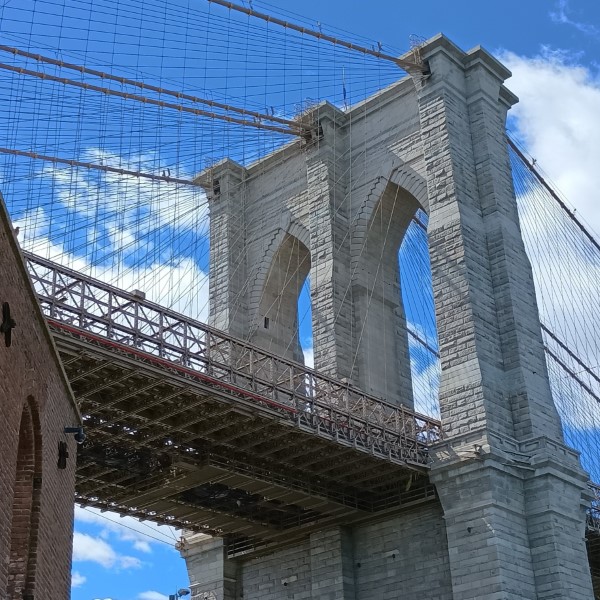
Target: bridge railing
79 303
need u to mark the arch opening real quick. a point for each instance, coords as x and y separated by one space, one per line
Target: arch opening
395 336
305 331
419 309
283 317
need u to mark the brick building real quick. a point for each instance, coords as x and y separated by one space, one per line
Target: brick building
37 478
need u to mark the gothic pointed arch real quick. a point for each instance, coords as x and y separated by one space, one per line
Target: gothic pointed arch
381 360
284 271
26 504
393 171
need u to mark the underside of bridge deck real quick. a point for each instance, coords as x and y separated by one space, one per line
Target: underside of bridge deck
159 448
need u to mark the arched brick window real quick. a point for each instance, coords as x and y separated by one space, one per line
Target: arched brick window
26 504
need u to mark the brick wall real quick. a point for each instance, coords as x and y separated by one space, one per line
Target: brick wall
36 498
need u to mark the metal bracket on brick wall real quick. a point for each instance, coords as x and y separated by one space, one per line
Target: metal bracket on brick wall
63 454
7 325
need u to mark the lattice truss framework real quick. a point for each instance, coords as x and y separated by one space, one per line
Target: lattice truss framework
109 111
188 425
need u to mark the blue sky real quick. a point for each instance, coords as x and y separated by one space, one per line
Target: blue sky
553 48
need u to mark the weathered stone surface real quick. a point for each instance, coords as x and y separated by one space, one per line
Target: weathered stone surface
509 523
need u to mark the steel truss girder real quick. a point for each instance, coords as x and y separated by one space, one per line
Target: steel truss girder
165 428
165 398
178 343
123 493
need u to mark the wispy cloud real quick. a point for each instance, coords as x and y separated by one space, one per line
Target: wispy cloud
425 369
127 529
309 356
87 548
151 595
129 232
178 283
561 14
77 579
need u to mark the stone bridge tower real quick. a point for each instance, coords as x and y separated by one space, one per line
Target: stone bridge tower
509 519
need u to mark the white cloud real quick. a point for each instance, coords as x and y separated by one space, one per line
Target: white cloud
151 595
119 198
129 562
178 283
87 548
131 232
127 529
309 357
558 118
77 579
561 15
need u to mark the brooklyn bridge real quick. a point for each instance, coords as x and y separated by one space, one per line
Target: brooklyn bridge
299 313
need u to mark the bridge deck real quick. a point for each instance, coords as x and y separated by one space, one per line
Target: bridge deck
189 426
